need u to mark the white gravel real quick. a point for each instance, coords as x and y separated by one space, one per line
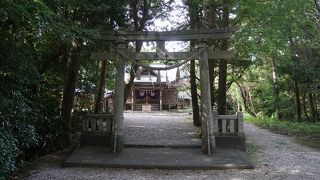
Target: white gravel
160 129
277 156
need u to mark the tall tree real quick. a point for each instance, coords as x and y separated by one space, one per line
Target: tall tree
194 15
101 87
223 64
69 89
273 34
142 13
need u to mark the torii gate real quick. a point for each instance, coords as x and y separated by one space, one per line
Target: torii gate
120 40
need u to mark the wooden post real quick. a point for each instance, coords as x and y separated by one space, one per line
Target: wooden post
160 99
84 123
118 138
240 122
224 126
208 139
215 119
93 125
232 126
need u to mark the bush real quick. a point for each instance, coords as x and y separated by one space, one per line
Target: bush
8 152
291 128
15 139
21 123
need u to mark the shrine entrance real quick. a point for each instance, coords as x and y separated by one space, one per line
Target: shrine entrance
222 135
203 51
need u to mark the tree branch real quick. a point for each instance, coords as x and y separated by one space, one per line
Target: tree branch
317 5
47 59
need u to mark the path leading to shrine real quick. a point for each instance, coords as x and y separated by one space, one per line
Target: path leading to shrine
160 128
276 156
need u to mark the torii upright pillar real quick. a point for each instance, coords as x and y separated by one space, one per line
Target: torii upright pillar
208 139
118 137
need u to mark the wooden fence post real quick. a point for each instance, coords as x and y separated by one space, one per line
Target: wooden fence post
215 121
240 122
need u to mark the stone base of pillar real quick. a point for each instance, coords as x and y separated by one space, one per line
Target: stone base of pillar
119 143
204 148
212 141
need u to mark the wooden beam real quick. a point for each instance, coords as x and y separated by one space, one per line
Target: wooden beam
161 56
188 35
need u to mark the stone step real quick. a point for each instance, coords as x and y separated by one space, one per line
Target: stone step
154 107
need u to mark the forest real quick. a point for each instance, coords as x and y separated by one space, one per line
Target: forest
47 75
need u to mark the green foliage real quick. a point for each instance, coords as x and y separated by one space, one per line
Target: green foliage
35 38
280 39
251 150
35 45
287 127
9 151
17 124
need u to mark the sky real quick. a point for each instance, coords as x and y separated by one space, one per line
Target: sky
175 17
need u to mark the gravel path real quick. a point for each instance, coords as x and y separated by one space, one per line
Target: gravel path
160 129
276 157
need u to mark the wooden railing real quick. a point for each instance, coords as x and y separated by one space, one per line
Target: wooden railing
170 101
228 124
97 123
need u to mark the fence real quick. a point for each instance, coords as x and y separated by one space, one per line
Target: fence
228 124
97 123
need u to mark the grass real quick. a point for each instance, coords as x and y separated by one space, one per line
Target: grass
251 150
305 133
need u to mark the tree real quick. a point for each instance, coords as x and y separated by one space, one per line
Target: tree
194 12
69 89
142 13
35 49
272 34
223 65
101 87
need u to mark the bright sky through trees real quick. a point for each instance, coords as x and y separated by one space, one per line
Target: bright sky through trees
177 17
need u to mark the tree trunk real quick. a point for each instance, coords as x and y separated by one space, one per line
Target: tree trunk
101 87
305 105
222 90
316 106
246 100
139 24
194 19
297 99
212 78
212 23
194 95
295 76
312 107
276 90
133 70
69 90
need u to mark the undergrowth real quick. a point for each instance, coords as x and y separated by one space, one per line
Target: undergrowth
305 132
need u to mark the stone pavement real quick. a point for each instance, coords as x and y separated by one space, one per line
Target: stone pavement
159 140
157 158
